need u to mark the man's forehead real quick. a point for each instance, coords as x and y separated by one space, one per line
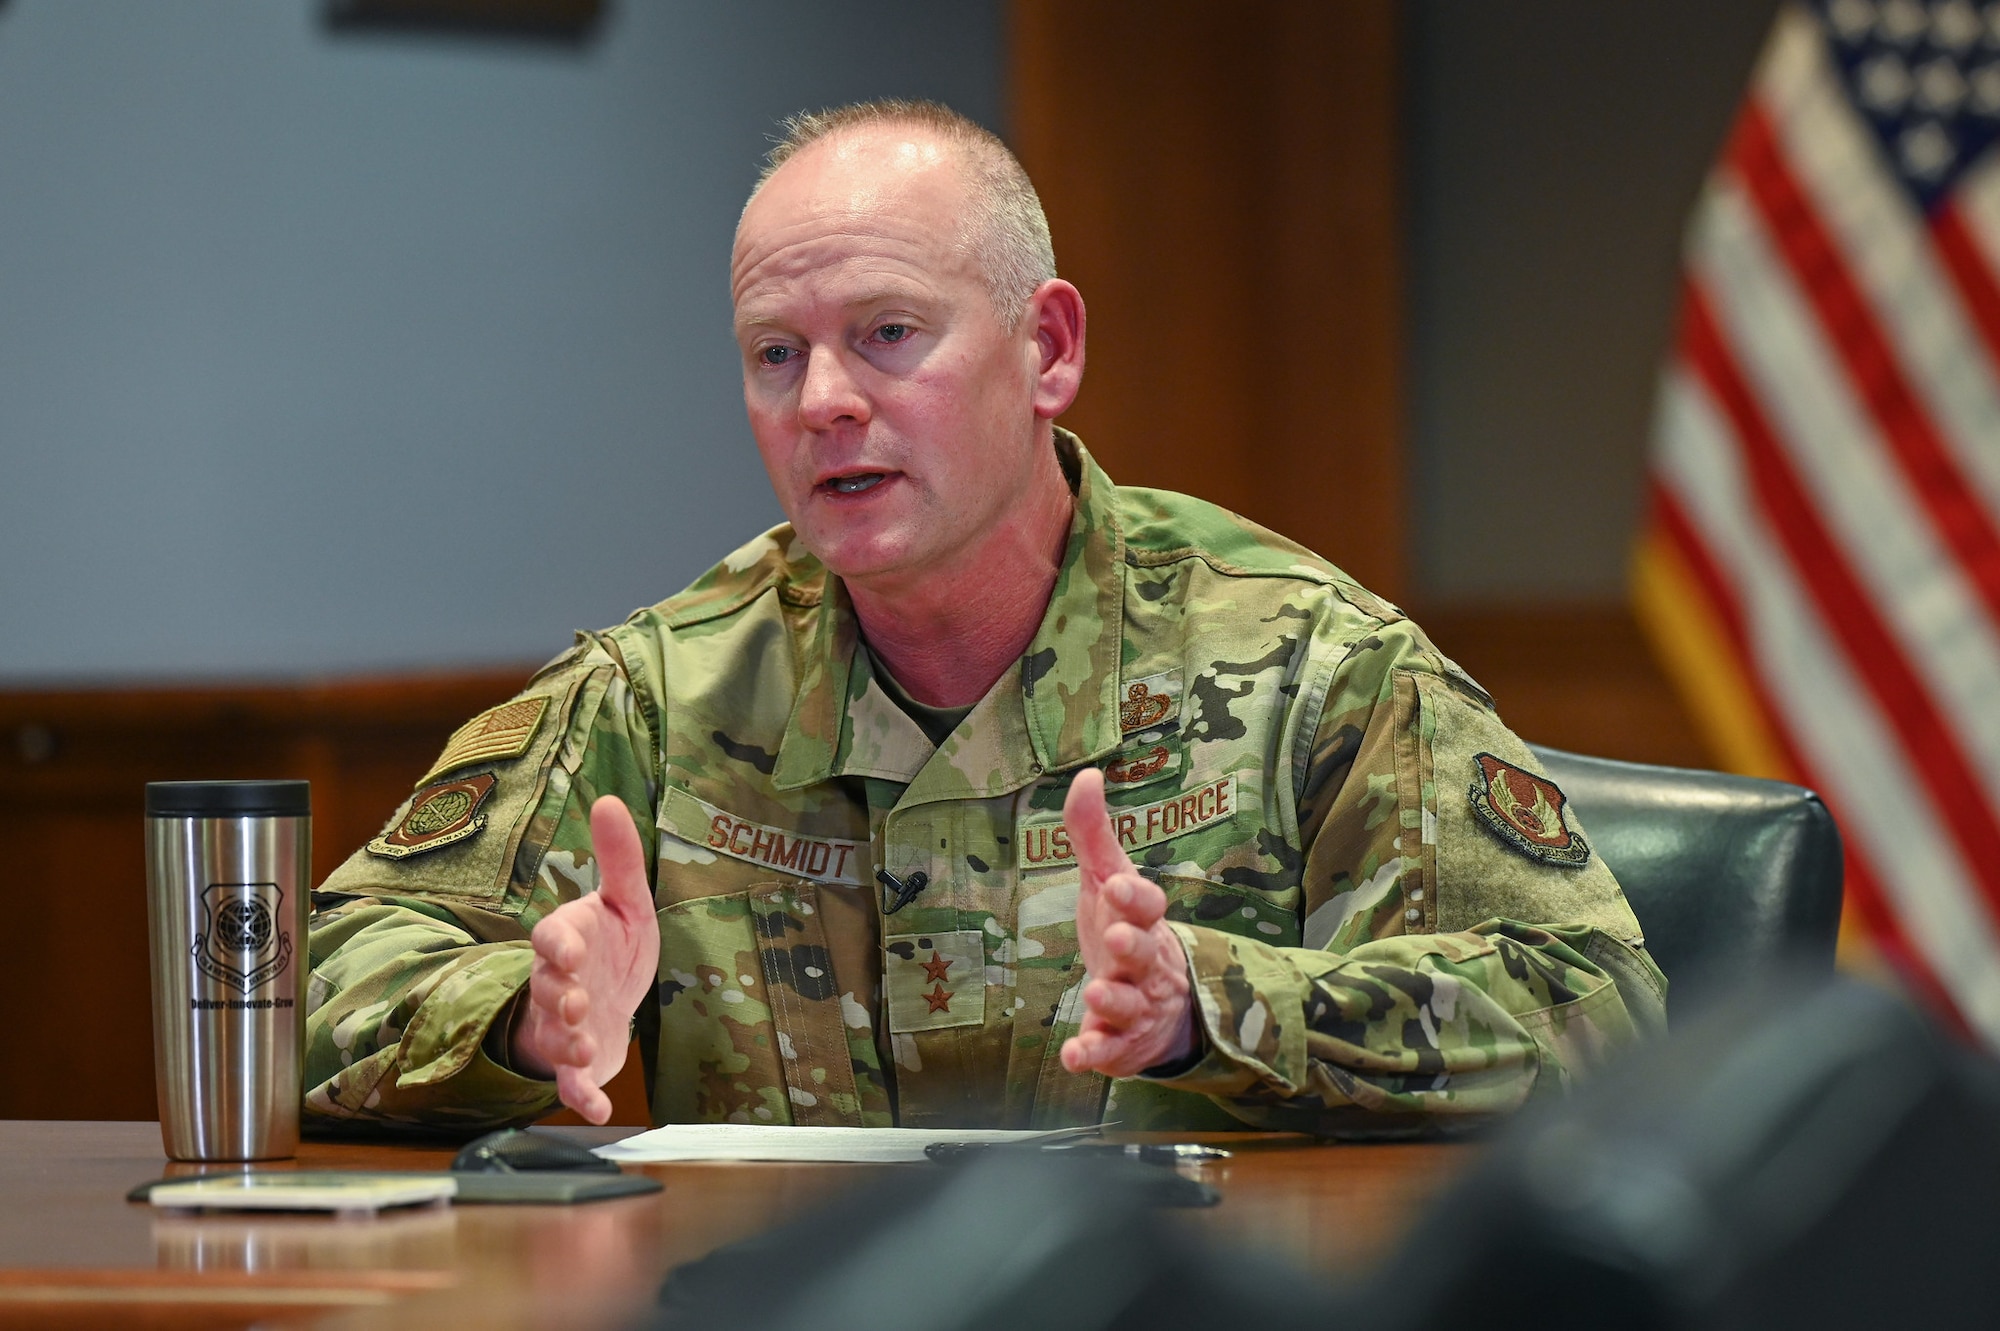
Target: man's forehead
888 206
861 167
774 292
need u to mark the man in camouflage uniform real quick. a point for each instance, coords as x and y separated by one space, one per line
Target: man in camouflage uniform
983 793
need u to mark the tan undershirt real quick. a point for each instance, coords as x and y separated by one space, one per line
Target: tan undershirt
935 722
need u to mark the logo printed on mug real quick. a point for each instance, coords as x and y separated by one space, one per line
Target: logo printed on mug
240 942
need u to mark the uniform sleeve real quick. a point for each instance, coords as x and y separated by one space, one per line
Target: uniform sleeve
419 942
1465 948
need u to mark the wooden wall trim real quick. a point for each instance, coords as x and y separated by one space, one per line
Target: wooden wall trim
373 700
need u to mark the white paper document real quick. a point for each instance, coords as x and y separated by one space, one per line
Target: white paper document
758 1141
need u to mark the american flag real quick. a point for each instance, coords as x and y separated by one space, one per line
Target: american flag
1821 562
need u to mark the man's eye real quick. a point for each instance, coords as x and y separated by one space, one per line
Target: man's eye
775 355
893 332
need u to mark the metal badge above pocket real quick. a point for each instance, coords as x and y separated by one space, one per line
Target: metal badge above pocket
1145 763
1150 703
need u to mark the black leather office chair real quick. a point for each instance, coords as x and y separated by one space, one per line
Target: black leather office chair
1727 874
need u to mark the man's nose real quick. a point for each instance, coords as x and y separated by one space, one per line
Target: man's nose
830 393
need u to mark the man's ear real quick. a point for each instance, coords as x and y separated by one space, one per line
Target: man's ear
1056 313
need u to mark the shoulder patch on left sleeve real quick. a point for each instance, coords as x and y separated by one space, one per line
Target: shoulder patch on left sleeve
1527 812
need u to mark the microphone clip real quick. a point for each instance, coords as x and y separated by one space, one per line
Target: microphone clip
900 892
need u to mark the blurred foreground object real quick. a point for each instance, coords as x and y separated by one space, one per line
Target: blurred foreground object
1018 1237
1820 571
1805 1155
1809 1153
1729 875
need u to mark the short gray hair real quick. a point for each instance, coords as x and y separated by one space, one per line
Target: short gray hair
1007 230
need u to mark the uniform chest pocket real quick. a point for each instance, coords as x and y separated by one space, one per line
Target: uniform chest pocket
751 1027
1269 916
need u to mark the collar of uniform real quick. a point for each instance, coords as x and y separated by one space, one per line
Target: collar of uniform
1069 675
1067 682
880 738
808 749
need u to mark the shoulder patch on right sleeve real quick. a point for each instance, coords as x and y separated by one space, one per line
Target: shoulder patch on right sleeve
457 836
438 816
495 735
1507 845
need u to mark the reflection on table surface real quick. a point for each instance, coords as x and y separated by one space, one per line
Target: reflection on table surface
74 1252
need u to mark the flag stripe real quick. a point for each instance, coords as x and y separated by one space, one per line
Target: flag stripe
1970 274
1693 649
1721 598
1822 569
1726 539
1857 765
1930 609
1869 216
1863 888
1872 367
1864 891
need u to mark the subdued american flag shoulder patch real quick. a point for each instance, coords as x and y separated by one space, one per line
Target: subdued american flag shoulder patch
495 735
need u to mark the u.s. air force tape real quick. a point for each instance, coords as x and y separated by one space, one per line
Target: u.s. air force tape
1044 843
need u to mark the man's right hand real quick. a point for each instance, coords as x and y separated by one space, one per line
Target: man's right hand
595 960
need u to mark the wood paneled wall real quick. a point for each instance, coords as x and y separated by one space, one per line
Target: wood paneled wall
1221 181
1577 677
75 980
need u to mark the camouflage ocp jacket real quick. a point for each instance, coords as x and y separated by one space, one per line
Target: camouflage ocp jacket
1390 915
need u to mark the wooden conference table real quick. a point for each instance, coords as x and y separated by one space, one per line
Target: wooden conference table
74 1253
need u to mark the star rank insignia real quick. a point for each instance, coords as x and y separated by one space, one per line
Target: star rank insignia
932 981
1526 811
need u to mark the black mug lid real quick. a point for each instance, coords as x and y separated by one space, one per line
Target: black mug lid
228 799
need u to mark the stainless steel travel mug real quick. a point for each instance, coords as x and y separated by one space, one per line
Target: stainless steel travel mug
228 867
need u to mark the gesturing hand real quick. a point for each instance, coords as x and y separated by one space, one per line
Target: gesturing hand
1137 1012
595 958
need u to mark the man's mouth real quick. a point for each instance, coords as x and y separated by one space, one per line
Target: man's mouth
855 484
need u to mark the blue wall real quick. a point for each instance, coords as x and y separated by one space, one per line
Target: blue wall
329 353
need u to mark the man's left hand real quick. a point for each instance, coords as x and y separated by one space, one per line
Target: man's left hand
1137 1012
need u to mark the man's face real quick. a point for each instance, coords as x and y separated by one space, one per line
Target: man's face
892 406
